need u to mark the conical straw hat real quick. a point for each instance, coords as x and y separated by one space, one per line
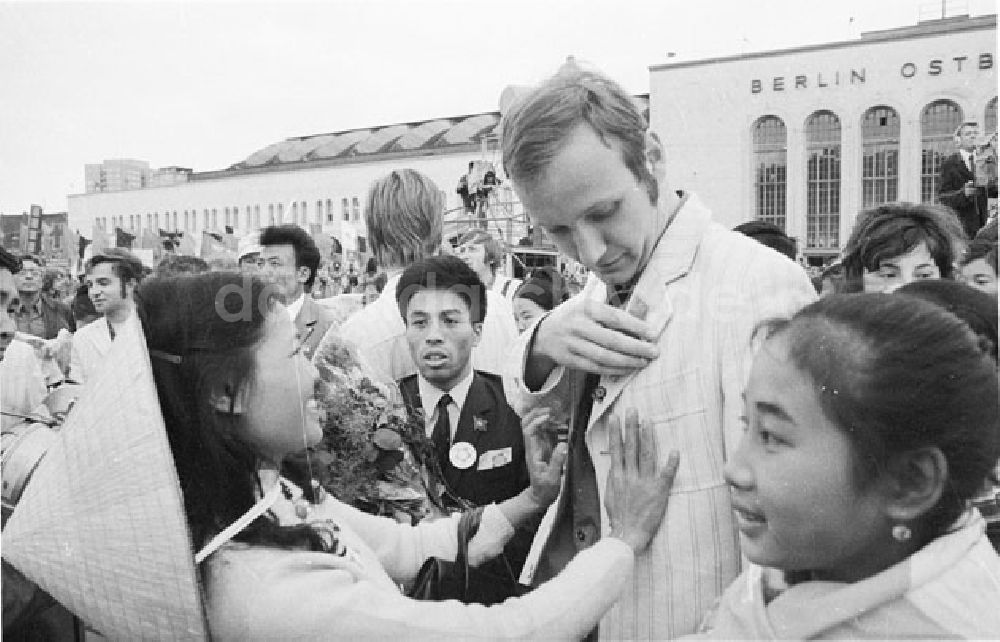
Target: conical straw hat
101 523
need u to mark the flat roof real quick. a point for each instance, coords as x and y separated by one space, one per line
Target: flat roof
920 30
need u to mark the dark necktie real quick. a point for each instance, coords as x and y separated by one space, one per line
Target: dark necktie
441 436
111 329
578 516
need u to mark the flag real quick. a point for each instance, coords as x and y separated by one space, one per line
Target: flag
123 238
213 247
151 240
185 245
82 244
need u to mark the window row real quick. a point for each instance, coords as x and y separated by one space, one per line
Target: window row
234 219
879 163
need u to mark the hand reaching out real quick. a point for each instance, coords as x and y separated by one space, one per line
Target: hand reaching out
638 488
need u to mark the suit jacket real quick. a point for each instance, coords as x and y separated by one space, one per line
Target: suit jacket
485 401
312 316
703 293
973 210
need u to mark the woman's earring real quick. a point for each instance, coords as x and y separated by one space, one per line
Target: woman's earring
901 532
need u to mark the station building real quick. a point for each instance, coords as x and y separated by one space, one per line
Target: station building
804 137
808 137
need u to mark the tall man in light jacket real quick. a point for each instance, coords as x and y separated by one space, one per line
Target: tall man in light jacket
665 326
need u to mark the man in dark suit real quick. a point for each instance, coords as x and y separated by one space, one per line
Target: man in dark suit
958 188
289 259
476 434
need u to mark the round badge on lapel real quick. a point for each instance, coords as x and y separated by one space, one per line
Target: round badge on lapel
599 393
462 455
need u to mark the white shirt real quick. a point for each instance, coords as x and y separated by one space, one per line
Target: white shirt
969 161
295 306
431 394
22 385
92 343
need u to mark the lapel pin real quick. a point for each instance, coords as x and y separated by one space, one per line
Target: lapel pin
599 393
479 424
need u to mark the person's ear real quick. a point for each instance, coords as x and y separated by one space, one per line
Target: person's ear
477 333
655 156
302 274
915 482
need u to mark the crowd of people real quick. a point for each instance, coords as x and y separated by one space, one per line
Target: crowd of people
702 442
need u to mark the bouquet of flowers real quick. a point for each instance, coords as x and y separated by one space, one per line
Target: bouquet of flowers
375 454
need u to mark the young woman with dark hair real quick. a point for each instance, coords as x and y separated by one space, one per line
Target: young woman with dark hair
896 243
237 395
872 421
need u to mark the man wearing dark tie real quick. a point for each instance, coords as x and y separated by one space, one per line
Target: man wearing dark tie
477 435
958 187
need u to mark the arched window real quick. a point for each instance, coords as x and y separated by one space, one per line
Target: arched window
295 213
187 224
356 208
256 217
319 213
345 205
175 220
823 181
270 214
770 140
249 218
225 214
281 213
880 158
329 210
937 130
990 118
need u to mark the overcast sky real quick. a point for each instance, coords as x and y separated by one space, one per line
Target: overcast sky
204 85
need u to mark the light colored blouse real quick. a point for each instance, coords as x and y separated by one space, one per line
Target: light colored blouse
256 592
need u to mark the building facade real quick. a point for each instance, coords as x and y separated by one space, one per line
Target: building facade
808 137
804 138
115 175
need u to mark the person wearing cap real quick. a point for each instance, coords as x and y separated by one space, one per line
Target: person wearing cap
540 292
208 541
404 215
112 277
289 260
665 325
248 253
